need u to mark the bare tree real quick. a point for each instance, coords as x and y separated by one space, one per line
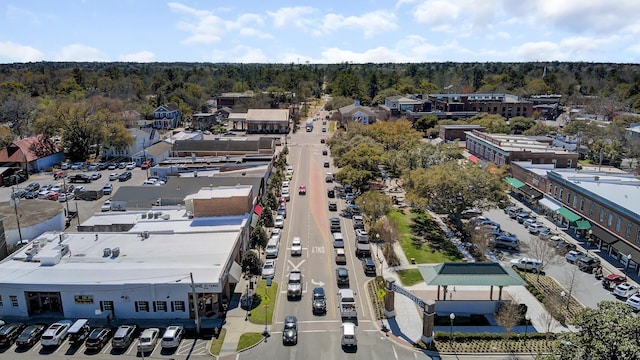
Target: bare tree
569 282
543 251
480 237
508 317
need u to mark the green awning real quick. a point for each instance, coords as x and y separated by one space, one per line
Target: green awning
569 215
583 225
514 182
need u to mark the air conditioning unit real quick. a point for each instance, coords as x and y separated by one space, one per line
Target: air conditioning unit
106 252
115 252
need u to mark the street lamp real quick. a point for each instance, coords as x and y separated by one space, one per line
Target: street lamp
626 266
246 316
565 299
378 251
452 316
265 333
527 318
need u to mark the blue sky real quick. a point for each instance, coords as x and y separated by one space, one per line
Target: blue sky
326 31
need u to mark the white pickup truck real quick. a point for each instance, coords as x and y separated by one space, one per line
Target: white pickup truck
347 301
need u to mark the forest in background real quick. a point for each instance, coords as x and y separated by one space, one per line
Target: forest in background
87 99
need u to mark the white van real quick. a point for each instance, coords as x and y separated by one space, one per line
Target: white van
349 335
271 251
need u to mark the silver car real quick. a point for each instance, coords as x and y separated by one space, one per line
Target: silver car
269 269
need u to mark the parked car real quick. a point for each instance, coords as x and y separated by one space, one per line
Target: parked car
56 333
521 217
31 195
148 340
563 246
319 301
98 338
527 264
113 176
30 335
172 337
546 234
125 176
65 197
124 336
535 228
130 166
96 176
573 256
588 264
331 193
106 206
112 166
279 221
34 186
282 210
326 164
290 332
122 165
9 333
634 302
625 290
610 281
269 269
107 189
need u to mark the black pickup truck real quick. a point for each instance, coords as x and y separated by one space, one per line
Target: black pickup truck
80 178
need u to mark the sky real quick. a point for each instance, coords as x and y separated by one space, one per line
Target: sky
321 31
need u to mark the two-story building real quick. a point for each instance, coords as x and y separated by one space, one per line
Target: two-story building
142 139
356 113
203 121
267 121
167 116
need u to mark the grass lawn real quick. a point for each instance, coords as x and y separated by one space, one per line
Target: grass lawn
248 340
410 277
258 312
423 254
216 344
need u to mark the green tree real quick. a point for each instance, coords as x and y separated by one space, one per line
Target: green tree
374 204
251 263
541 129
451 188
492 122
347 84
6 137
608 332
426 122
258 238
520 124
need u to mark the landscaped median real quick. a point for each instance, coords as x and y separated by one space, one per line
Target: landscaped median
263 303
534 343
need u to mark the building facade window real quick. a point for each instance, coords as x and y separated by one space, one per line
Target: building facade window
592 205
1 302
14 300
601 215
177 306
618 224
638 237
610 219
629 226
106 305
582 205
160 306
142 306
575 201
561 193
569 197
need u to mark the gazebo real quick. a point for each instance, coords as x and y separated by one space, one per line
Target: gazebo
470 274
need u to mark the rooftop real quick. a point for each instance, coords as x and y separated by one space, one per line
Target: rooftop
470 274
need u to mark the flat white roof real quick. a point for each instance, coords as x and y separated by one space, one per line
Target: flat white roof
221 192
268 115
160 258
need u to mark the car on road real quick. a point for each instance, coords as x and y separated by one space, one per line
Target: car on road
341 257
302 190
30 335
369 266
322 141
573 256
268 269
333 206
9 333
338 240
324 152
107 189
326 164
279 222
130 166
342 276
55 333
625 290
113 176
318 301
634 302
124 336
331 193
290 332
610 281
95 176
527 264
294 285
98 338
535 228
65 197
348 338
296 246
106 206
148 340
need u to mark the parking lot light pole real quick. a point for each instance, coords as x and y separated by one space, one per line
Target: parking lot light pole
565 299
527 318
452 316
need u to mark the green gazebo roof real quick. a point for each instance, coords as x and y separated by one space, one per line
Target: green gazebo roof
470 274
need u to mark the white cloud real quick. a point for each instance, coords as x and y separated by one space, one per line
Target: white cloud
379 21
21 14
439 15
141 56
20 53
296 16
79 52
207 28
240 54
536 51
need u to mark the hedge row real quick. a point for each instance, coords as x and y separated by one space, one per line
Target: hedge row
464 337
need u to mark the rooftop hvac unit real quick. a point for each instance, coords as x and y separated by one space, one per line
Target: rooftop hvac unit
165 217
150 214
115 252
157 214
145 234
106 252
190 214
144 215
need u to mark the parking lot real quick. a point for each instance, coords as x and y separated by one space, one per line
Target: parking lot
584 286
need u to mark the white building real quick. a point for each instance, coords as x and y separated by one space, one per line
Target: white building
147 270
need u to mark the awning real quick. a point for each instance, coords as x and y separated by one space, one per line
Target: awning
550 204
514 182
583 225
569 215
531 192
254 219
235 274
258 209
474 159
603 235
625 249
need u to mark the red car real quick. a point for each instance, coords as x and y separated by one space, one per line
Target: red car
53 196
302 190
612 280
282 201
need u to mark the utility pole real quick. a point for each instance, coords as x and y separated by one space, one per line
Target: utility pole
195 304
15 200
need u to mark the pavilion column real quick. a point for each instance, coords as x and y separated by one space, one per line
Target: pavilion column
444 292
500 293
428 321
389 298
491 293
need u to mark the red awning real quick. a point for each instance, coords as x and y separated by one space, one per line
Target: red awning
258 210
474 159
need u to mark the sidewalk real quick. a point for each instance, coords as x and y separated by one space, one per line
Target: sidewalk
236 324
